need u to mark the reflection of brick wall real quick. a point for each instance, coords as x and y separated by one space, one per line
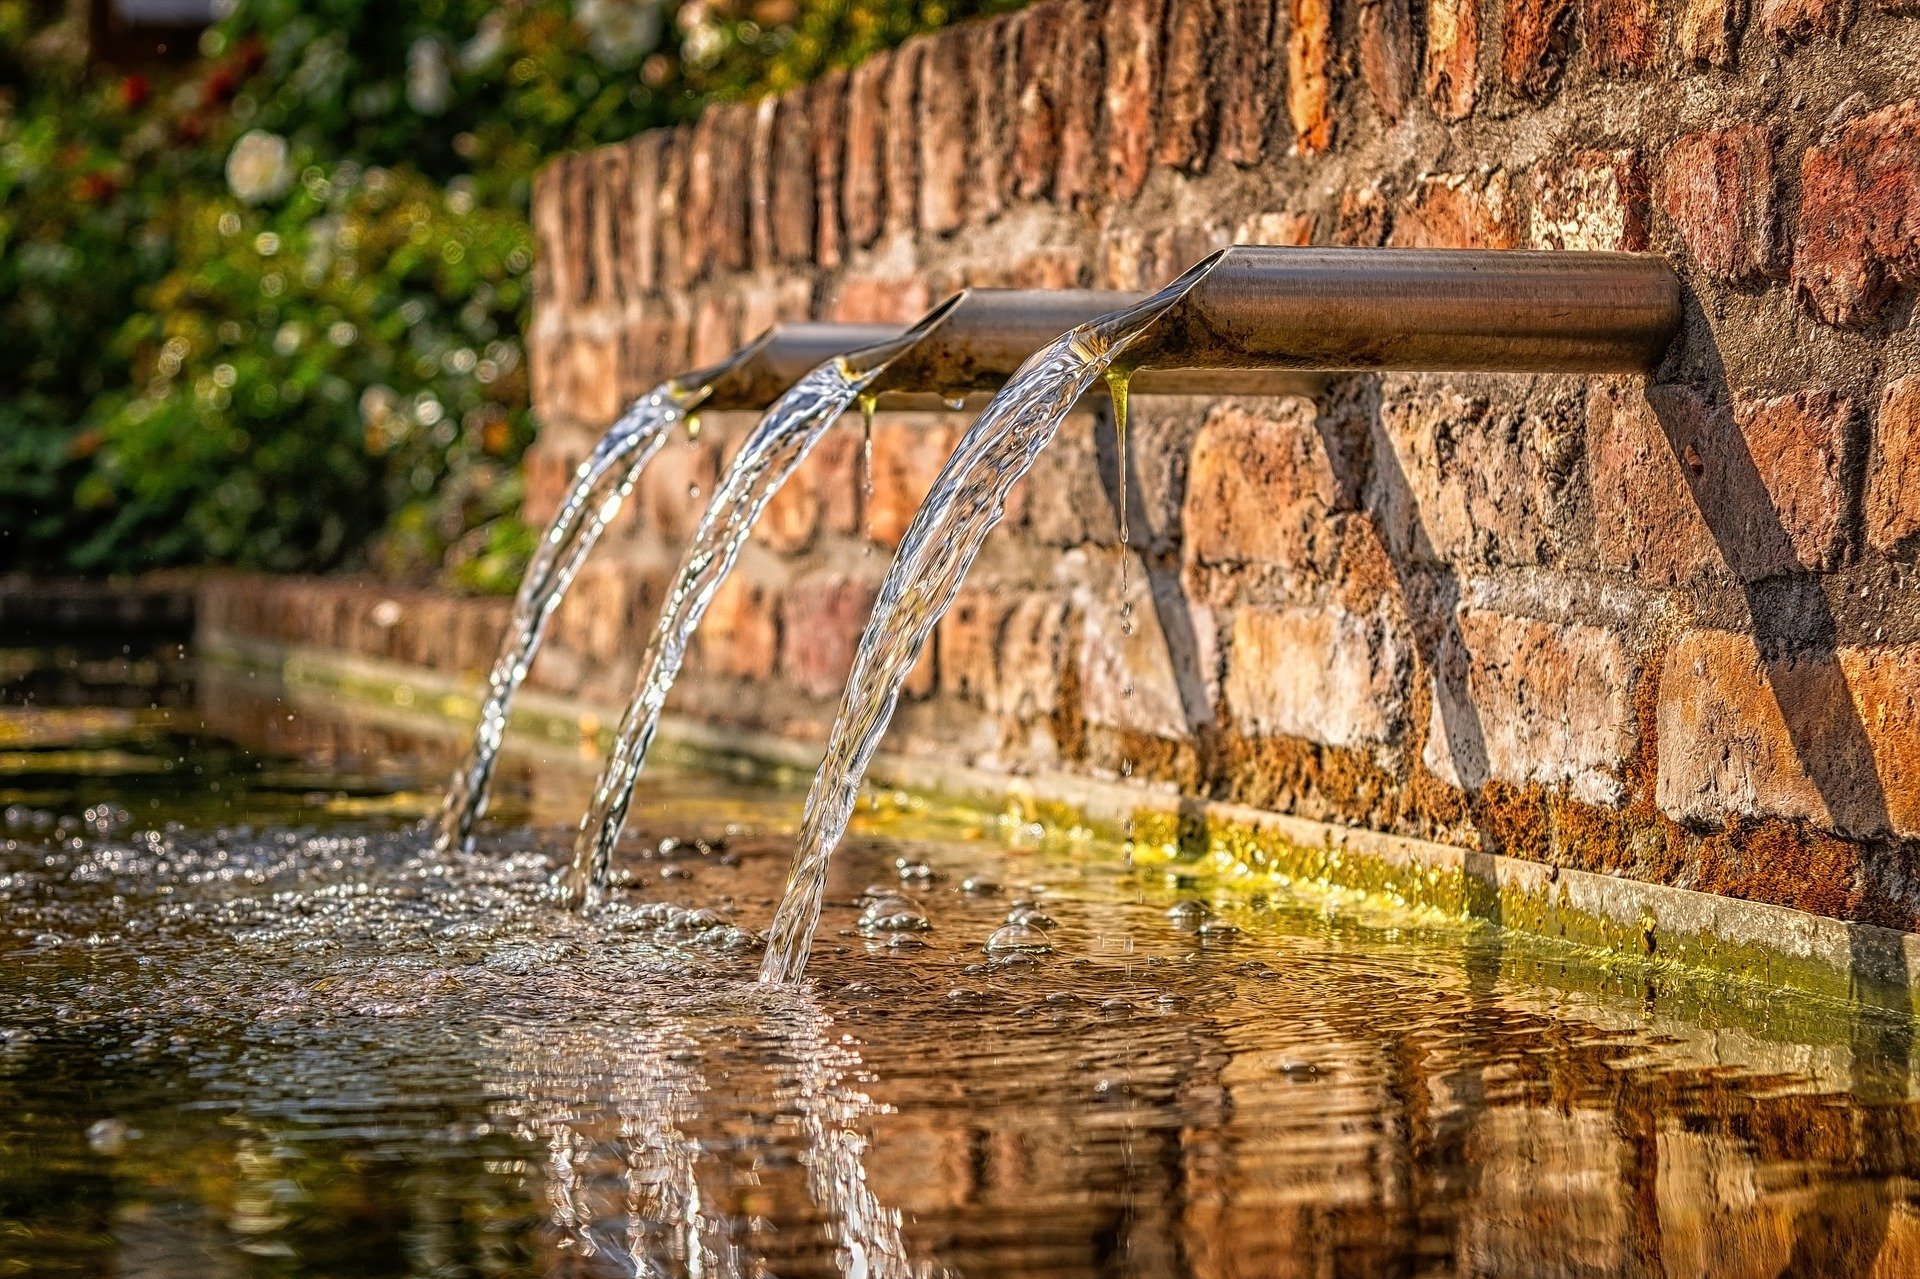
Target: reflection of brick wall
1669 632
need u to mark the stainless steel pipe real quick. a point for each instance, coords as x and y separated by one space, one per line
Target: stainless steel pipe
1271 321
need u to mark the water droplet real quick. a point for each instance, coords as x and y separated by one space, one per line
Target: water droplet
979 886
109 1136
1189 914
910 869
1021 939
1031 917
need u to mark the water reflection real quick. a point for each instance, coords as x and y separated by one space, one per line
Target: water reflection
321 1051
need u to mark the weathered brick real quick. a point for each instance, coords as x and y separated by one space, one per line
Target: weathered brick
863 209
991 90
1458 211
1079 80
671 208
1136 674
1387 55
1453 57
1037 114
766 302
1189 98
902 133
1362 218
945 72
1719 190
1310 74
1530 702
888 300
822 492
1276 228
1325 675
643 211
794 202
588 378
1707 31
822 617
908 451
1800 20
760 180
576 227
1131 35
1684 490
1893 480
1246 72
1261 491
716 327
1032 644
677 485
1622 35
716 208
610 182
970 644
1535 40
1591 200
549 216
1831 738
827 112
740 635
1858 233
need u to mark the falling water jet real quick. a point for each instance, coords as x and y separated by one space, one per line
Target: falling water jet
600 485
775 449
1260 308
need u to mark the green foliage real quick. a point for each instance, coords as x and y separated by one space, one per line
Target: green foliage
268 311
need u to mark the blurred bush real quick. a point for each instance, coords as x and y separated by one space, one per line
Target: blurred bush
267 308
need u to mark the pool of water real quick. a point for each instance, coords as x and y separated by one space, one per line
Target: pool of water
249 1025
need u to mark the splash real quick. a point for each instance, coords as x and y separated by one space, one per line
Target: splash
600 484
775 449
966 502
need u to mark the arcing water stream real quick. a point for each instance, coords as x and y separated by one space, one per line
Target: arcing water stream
600 485
966 501
777 447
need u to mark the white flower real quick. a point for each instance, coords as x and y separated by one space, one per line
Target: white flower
429 79
257 168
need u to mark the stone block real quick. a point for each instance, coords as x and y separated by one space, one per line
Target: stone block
1310 74
1623 36
1590 200
970 644
1893 477
1276 228
884 300
1796 21
946 69
991 91
1324 675
740 635
643 211
1453 58
1189 94
1535 40
760 178
1705 32
827 114
1529 702
1079 88
795 202
1261 491
902 135
1032 645
1458 211
1830 738
1857 239
863 189
1037 115
1246 70
908 451
1131 36
822 617
1388 57
677 485
1720 191
1146 657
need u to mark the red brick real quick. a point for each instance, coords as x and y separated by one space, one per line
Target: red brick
1546 703
1719 190
1310 74
643 211
991 90
794 203
1387 55
1705 32
1135 677
1026 674
822 492
1534 45
1798 20
716 211
549 216
716 328
1361 220
1037 113
891 300
970 644
1622 35
1189 100
1067 503
1859 227
863 185
827 113
1828 738
760 184
908 451
1893 480
1131 33
574 230
1458 211
588 378
1047 269
1684 490
671 208
1246 69
1261 492
1453 57
1591 200
779 300
1325 675
613 227
945 71
822 617
677 485
903 136
1079 78
740 635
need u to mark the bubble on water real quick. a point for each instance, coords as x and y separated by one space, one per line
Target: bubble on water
910 869
1020 939
894 913
1189 914
905 941
979 886
1218 931
1031 917
1115 1006
109 1136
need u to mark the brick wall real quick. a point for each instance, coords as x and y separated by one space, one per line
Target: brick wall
1665 630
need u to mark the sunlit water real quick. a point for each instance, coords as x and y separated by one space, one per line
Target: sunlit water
965 502
600 485
251 1025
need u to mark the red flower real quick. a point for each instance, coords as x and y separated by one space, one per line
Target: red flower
134 92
